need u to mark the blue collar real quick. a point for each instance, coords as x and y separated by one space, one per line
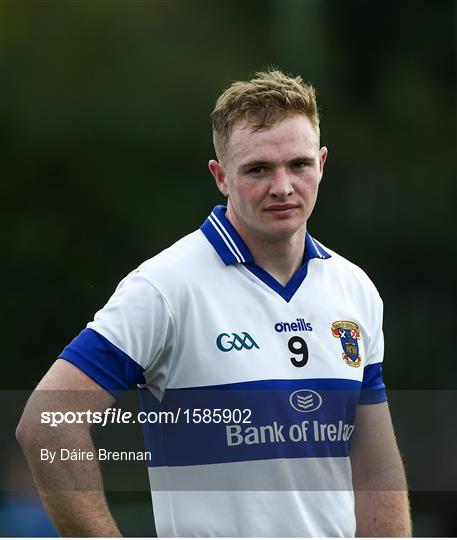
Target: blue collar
232 250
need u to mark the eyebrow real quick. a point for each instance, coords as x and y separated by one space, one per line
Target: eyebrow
265 162
253 164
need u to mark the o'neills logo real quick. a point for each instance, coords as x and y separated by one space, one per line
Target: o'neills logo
299 325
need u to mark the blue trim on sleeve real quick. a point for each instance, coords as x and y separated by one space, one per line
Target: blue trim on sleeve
103 362
373 387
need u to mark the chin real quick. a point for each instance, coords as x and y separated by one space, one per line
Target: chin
282 233
288 227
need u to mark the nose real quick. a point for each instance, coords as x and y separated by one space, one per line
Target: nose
281 185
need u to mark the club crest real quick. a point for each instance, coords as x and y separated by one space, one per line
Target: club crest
349 334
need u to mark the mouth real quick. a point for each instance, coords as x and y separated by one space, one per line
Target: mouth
281 209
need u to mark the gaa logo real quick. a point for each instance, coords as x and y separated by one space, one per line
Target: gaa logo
228 342
305 400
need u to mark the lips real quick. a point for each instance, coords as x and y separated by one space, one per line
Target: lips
280 207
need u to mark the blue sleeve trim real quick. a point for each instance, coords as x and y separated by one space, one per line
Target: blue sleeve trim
373 387
103 362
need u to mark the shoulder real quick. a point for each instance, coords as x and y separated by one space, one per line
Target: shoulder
184 262
147 297
348 275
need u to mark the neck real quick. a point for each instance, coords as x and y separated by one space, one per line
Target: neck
281 258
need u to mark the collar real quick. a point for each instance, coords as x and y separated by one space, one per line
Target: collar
231 248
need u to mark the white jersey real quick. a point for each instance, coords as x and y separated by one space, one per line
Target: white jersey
266 379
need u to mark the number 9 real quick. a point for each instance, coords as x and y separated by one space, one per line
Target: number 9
297 345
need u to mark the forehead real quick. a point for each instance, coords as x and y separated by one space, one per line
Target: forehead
292 136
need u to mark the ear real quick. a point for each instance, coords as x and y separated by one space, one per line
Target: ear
323 152
217 170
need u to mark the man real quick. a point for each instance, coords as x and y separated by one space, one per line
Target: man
248 314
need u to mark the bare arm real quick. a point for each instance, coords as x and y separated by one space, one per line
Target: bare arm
381 496
71 491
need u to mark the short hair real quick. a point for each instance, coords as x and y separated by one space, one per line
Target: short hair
263 101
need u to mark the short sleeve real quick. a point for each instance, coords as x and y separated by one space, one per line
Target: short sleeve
373 387
130 341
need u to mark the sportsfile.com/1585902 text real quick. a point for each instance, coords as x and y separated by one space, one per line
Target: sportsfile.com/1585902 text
114 415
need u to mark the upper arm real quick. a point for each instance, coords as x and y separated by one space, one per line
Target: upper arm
132 333
375 458
67 385
64 388
63 375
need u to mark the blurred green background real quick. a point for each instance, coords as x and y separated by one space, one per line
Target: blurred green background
105 138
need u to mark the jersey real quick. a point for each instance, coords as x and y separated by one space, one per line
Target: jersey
281 370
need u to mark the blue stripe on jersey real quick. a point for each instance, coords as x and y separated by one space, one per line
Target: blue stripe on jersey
317 426
373 388
281 384
103 362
